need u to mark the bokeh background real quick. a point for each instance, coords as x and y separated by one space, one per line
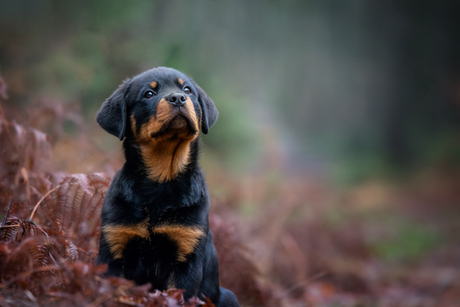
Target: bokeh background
336 155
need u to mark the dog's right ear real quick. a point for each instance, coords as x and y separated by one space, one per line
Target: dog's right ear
112 115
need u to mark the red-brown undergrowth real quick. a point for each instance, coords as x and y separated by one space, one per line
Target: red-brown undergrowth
49 234
50 230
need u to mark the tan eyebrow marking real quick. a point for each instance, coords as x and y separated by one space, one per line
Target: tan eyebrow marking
180 81
154 84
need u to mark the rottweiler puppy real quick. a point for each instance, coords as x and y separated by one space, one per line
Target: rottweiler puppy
155 224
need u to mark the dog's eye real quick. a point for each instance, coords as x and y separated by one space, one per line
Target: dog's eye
187 90
149 94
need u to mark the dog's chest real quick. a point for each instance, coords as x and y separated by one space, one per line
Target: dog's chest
158 240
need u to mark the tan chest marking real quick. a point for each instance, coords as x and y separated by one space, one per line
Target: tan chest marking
164 158
186 238
118 236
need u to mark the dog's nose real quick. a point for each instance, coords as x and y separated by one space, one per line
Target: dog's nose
176 99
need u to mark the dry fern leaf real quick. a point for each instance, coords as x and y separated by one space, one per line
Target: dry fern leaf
22 147
15 229
80 200
75 206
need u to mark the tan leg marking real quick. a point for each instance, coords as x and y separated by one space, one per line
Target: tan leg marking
186 238
119 235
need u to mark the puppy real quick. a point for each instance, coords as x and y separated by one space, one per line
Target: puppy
155 224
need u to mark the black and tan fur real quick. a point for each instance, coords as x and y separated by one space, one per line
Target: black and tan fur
155 224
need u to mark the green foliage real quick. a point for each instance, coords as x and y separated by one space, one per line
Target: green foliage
408 242
234 138
321 76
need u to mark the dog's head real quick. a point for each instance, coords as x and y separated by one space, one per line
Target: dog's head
157 105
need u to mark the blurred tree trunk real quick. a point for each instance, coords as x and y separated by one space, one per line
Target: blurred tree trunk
424 44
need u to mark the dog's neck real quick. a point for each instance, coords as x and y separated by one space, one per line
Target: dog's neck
164 160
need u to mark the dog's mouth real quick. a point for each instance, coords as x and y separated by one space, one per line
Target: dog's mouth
179 125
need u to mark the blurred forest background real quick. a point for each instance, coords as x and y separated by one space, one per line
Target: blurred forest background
336 156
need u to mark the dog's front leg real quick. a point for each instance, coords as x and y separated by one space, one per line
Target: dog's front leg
115 266
187 276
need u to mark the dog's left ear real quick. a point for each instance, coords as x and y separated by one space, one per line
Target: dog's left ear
208 109
112 115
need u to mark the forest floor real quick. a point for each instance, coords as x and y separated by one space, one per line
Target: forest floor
282 239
